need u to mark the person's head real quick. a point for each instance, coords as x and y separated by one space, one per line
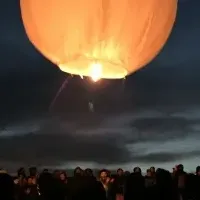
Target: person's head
56 174
153 170
198 170
29 181
103 175
88 172
33 171
21 172
77 171
174 170
180 167
148 172
120 172
137 170
63 176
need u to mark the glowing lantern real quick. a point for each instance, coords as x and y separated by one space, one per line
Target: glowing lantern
99 38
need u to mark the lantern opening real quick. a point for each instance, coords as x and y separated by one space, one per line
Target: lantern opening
102 69
96 71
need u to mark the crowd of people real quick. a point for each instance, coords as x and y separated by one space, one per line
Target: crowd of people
157 184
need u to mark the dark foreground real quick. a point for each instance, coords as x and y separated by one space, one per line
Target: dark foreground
156 184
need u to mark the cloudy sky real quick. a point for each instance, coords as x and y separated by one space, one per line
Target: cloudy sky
151 119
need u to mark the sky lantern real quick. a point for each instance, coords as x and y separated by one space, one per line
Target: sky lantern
99 38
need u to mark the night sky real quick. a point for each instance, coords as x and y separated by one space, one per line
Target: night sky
153 118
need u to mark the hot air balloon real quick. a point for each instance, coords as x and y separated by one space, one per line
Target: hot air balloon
99 38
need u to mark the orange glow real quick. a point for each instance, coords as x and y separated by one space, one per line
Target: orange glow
123 35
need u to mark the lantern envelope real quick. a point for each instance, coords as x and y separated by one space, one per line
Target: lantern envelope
107 38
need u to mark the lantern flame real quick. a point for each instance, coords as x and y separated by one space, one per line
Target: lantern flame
96 71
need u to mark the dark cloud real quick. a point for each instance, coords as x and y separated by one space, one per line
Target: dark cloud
57 148
164 157
55 142
159 128
161 123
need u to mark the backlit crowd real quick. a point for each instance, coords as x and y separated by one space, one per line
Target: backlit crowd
156 184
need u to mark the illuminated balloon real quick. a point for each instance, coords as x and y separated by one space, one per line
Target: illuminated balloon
99 38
